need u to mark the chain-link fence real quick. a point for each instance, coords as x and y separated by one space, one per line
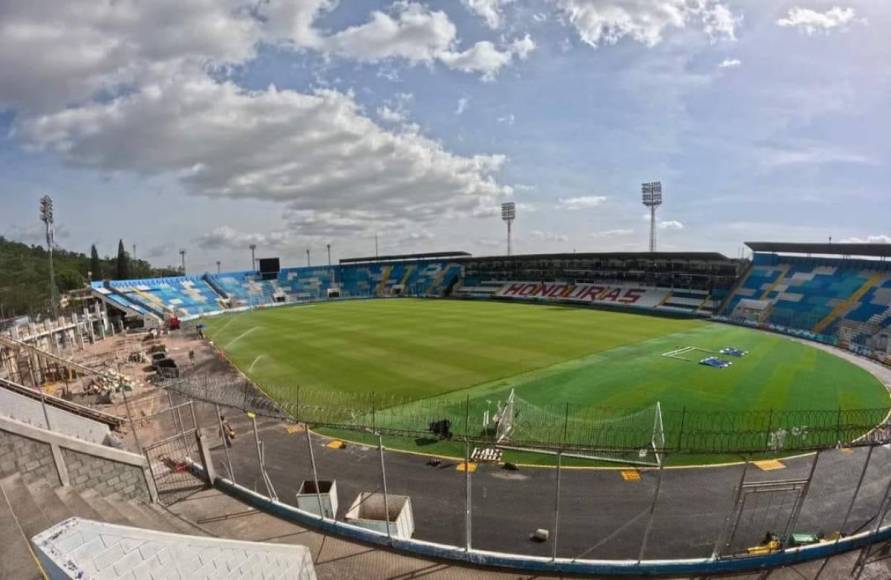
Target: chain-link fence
557 426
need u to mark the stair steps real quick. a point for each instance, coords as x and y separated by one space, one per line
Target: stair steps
16 560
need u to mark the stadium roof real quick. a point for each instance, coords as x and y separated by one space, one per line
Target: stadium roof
397 257
875 250
705 256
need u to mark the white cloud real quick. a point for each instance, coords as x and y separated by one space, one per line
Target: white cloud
582 202
730 63
408 31
611 233
645 21
487 59
310 152
508 119
395 110
54 54
878 239
489 10
670 225
462 106
811 21
548 236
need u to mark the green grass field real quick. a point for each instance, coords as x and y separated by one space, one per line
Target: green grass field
446 351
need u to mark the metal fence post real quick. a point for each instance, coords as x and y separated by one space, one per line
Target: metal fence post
315 473
646 536
557 503
880 516
850 507
225 439
133 426
380 447
269 490
796 510
725 531
468 507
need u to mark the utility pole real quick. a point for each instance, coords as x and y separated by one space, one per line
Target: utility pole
46 216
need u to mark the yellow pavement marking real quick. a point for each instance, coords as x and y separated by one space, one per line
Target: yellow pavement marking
336 444
630 475
847 450
471 467
295 429
769 465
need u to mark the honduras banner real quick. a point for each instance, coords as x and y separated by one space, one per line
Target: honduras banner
615 294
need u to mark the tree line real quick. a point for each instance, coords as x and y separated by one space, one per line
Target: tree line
24 273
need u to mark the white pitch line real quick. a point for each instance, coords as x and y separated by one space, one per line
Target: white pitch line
240 336
256 360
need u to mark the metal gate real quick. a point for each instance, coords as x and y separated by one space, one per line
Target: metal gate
763 511
168 461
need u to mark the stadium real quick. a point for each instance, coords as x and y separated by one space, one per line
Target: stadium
423 396
545 414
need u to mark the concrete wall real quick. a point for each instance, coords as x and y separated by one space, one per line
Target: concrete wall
30 411
62 460
33 459
105 476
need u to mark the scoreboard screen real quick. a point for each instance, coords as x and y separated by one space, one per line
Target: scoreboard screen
269 266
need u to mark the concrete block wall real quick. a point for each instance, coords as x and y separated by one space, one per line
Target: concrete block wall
59 459
105 476
32 459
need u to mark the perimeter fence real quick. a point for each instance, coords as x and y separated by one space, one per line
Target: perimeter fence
556 426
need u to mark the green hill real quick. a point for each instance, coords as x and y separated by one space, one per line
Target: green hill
24 275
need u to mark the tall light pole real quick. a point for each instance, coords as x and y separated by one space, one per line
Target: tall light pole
329 254
182 255
307 257
46 216
652 198
253 248
218 266
508 214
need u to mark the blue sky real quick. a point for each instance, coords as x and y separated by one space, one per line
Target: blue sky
209 125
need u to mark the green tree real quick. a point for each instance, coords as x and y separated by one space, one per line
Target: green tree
95 264
122 270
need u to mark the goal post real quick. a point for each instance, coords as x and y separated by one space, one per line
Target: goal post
632 439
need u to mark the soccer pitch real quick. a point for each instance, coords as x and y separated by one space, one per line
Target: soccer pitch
445 350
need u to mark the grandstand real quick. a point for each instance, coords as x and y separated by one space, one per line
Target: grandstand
692 283
839 294
834 293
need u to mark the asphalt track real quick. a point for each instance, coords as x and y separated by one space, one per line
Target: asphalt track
602 515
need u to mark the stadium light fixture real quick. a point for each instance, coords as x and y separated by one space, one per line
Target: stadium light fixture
329 254
218 266
47 217
508 215
253 248
652 198
308 263
182 255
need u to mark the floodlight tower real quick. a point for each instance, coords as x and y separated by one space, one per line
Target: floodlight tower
253 248
652 198
218 266
46 216
508 214
182 255
308 262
